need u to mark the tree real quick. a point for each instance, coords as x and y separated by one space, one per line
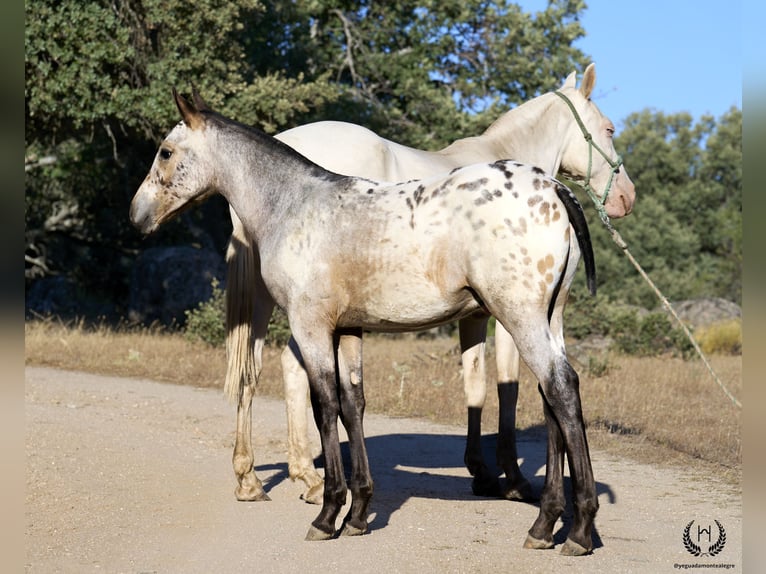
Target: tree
98 76
686 230
423 73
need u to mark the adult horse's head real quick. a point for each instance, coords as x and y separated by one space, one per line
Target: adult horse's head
179 176
590 157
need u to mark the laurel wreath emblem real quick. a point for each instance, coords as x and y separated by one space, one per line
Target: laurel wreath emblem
695 550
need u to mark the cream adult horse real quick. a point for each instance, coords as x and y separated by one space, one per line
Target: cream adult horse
541 132
342 254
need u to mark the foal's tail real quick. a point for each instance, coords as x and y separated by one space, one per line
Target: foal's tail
580 225
240 370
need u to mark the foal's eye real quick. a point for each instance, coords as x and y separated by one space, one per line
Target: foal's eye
165 154
610 131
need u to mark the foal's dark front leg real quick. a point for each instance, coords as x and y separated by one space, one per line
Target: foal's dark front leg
321 369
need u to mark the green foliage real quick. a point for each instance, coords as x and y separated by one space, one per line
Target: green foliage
422 73
633 330
686 227
207 322
649 335
97 99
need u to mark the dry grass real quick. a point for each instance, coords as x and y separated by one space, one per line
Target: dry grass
662 410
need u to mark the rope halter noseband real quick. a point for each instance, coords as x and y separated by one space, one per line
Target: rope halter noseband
614 164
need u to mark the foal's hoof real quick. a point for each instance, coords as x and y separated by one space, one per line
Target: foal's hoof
572 548
314 495
533 543
488 486
349 530
521 491
315 534
251 495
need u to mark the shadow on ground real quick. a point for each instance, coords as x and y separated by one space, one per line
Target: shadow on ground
414 465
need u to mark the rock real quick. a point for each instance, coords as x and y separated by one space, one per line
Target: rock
60 296
702 312
166 281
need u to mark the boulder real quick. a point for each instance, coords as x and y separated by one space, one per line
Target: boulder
702 312
166 281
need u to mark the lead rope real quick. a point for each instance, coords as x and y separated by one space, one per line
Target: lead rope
620 242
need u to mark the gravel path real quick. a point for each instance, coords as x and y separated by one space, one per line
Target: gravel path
128 475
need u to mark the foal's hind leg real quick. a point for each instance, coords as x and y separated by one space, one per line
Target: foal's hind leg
473 333
516 487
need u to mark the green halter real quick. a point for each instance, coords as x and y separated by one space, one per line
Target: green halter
614 164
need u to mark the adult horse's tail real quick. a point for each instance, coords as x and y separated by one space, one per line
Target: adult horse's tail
580 225
240 260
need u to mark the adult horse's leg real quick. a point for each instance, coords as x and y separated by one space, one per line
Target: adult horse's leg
516 487
247 320
473 334
352 415
299 460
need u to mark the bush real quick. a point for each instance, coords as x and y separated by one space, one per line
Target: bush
650 335
207 322
723 337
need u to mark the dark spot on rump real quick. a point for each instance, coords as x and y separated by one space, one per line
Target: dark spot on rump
417 196
536 184
538 171
534 200
473 185
370 191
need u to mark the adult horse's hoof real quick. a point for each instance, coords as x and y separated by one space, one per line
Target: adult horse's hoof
314 495
572 548
251 495
533 543
315 534
521 491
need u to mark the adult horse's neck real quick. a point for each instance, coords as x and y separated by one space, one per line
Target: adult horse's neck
534 133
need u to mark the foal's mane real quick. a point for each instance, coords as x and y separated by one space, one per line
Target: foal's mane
263 139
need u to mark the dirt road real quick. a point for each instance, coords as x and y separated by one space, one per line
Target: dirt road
129 475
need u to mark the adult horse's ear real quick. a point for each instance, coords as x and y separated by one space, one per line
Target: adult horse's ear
588 81
571 81
190 114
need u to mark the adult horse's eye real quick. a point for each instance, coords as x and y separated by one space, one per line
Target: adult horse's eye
165 154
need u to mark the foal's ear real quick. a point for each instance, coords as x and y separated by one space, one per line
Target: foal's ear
588 81
199 102
189 113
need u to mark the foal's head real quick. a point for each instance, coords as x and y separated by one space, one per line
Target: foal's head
621 194
180 175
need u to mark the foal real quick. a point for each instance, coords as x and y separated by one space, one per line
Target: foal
342 254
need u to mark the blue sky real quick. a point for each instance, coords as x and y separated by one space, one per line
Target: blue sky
667 55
